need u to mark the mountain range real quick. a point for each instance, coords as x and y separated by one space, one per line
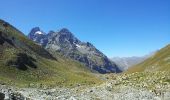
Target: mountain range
66 44
126 62
25 63
57 65
160 61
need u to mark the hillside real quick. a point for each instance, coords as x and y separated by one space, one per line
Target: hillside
25 63
159 62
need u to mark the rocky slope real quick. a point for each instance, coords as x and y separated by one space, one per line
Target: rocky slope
16 50
65 43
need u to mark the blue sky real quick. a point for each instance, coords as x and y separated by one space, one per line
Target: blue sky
116 27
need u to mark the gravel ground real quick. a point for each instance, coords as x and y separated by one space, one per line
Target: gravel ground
136 86
101 92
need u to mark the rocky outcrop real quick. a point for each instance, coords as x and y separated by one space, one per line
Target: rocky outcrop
37 35
22 61
68 45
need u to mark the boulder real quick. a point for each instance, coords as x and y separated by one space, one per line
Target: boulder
2 96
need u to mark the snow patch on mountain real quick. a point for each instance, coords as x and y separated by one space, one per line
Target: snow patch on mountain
39 32
64 42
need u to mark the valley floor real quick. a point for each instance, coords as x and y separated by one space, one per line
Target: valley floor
135 86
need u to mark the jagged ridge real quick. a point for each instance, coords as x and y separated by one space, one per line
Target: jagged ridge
25 63
68 45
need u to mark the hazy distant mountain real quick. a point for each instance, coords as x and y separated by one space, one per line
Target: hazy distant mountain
65 43
125 62
159 62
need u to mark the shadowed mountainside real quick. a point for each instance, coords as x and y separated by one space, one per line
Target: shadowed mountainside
25 63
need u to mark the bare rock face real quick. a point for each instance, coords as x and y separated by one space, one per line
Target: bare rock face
68 45
4 39
37 35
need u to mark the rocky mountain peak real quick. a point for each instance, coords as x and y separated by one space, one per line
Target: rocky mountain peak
65 33
65 36
68 45
64 30
37 35
34 30
51 32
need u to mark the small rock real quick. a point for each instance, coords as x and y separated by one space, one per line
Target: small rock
91 90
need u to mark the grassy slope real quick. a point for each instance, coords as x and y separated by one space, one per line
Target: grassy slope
159 62
49 72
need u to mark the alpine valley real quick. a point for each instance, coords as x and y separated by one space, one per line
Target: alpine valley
58 66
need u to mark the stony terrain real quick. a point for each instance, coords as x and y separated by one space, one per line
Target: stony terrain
135 86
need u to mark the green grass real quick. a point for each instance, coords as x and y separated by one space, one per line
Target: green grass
159 62
147 80
49 72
